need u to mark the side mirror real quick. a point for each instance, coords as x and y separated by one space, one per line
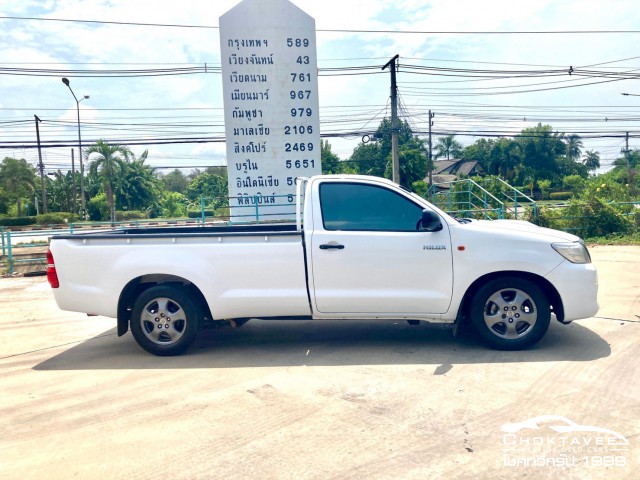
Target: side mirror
430 221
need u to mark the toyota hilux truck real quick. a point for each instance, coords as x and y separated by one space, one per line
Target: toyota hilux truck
360 248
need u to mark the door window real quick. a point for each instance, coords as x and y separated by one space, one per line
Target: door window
358 207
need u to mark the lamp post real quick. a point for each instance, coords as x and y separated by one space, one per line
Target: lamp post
82 200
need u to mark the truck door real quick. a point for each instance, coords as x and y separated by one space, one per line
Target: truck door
370 255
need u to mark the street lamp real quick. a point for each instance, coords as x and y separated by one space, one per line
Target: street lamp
84 210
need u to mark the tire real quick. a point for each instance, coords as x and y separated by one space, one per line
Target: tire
510 313
165 320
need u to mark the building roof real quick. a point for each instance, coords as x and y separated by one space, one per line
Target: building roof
444 166
457 167
467 167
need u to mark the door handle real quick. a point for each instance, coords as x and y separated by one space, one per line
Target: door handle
331 246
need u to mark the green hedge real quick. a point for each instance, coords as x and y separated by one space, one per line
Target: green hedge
198 214
56 218
17 221
560 195
125 215
223 212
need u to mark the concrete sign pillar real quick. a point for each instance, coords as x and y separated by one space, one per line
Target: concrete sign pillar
272 124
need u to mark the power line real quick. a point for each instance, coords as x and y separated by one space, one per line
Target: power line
329 30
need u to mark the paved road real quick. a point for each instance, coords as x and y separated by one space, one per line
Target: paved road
321 400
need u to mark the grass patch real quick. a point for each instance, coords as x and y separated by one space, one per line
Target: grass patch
629 239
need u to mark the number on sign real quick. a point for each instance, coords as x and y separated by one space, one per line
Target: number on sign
300 77
299 130
306 163
297 42
301 112
300 94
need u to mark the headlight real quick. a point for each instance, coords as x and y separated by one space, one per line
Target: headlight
575 252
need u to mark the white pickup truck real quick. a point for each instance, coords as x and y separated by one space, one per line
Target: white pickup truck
362 248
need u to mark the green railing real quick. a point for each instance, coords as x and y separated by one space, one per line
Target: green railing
15 245
15 250
489 198
514 198
462 198
253 208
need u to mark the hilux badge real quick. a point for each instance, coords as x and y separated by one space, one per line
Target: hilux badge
434 247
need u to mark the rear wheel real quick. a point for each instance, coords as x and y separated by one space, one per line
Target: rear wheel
165 320
510 313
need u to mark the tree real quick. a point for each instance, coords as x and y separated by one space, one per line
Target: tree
574 147
173 204
330 161
137 186
18 180
219 170
540 148
544 186
573 183
108 162
4 201
175 181
60 191
591 160
506 157
565 166
448 147
412 158
214 188
632 157
366 159
480 151
372 158
375 159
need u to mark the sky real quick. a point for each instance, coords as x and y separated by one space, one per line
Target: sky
151 69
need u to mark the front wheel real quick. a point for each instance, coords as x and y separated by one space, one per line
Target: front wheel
165 320
510 313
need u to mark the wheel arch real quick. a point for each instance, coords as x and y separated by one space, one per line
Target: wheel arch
547 288
135 287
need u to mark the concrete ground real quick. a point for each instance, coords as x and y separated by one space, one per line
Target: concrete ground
321 400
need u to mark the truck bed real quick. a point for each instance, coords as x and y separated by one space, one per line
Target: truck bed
189 231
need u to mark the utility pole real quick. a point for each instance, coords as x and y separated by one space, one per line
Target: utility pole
44 191
74 200
629 171
431 115
626 154
392 64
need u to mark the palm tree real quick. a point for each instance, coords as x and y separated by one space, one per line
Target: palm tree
448 147
574 147
108 162
18 178
591 160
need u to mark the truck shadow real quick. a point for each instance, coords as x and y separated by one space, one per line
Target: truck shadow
328 343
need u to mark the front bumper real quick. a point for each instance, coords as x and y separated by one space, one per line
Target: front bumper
577 285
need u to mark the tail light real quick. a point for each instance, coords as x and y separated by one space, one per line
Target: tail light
52 275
